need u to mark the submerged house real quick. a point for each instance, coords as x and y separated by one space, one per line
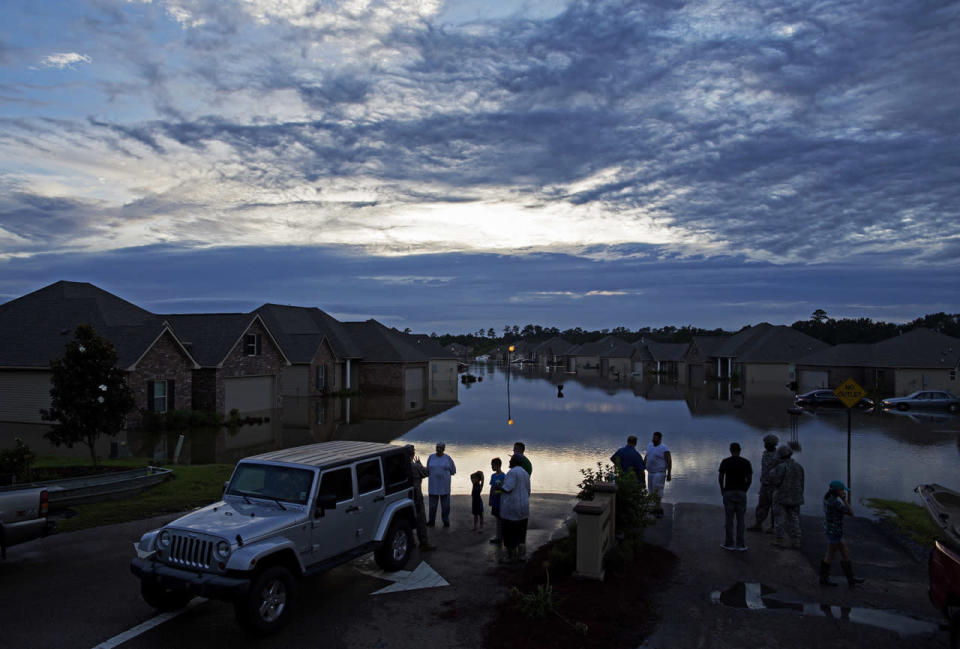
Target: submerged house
241 363
35 329
916 360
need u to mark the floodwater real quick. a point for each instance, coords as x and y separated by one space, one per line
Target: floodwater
890 453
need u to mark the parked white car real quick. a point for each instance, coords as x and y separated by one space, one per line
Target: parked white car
932 399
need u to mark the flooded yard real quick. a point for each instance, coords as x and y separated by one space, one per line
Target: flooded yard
583 422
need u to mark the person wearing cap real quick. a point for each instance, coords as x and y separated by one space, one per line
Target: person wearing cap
765 500
440 468
835 507
787 479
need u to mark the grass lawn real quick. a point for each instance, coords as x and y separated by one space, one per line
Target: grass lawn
192 486
909 518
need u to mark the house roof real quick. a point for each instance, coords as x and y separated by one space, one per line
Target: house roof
381 344
667 351
36 327
556 346
708 345
918 348
606 347
766 343
211 336
300 330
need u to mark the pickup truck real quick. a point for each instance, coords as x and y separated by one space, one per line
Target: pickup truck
943 508
945 587
23 515
284 515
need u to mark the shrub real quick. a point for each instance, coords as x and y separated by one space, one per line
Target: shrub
17 460
634 505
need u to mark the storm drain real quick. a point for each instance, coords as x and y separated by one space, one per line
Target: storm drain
756 596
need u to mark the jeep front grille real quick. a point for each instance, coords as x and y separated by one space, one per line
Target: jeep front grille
190 552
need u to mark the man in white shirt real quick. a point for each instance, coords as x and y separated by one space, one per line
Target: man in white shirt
659 465
515 508
440 468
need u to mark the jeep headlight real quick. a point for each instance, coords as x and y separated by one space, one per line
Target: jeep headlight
223 549
163 540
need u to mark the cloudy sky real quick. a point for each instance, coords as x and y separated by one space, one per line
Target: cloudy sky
447 166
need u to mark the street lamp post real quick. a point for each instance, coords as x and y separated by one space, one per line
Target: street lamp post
509 361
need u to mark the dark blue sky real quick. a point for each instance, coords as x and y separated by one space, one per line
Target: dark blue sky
446 166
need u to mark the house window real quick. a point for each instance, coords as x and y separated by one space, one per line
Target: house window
251 345
953 375
160 396
321 378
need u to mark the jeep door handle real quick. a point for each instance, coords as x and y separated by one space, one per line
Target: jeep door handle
355 508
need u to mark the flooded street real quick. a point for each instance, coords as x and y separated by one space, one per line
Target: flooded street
891 452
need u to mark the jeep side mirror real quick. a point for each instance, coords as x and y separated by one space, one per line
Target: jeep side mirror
325 501
225 485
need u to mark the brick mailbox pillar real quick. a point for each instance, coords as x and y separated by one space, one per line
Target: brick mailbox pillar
596 530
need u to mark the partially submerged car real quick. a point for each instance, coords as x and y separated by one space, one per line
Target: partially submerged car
284 515
826 397
928 399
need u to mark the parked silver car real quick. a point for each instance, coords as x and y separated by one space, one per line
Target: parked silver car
284 515
932 399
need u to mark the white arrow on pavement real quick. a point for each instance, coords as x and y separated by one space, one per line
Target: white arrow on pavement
423 576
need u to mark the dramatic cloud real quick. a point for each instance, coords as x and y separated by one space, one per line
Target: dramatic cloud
64 60
792 133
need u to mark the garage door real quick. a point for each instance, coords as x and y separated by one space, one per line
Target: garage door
810 380
22 394
249 394
414 385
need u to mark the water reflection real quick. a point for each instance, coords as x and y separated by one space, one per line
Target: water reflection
581 423
891 454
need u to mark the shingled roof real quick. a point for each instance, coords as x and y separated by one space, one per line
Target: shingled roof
300 330
918 348
606 347
36 327
211 336
766 343
381 344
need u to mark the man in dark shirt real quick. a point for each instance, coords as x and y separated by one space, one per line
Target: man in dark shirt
629 458
735 477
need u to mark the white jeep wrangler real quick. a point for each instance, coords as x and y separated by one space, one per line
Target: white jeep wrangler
284 515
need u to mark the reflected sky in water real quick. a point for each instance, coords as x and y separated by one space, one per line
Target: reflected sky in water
891 453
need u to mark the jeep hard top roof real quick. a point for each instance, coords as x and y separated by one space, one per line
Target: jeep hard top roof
326 453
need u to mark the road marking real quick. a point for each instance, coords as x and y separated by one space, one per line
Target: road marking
118 640
752 595
423 576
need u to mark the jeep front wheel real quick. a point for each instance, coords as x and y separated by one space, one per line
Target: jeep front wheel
164 599
393 553
268 604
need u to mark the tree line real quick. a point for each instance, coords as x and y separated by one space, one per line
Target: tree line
820 326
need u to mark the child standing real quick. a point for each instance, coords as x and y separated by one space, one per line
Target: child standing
477 499
496 481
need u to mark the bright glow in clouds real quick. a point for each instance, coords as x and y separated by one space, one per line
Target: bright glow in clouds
610 132
64 60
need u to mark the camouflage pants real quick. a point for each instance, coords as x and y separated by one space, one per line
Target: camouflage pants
787 520
765 506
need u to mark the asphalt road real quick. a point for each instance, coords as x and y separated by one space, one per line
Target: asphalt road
76 590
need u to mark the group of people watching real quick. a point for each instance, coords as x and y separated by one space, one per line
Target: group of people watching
509 499
780 497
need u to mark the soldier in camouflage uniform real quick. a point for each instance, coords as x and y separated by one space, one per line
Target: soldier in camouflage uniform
787 477
765 502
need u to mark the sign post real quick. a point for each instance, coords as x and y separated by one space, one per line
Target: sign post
850 393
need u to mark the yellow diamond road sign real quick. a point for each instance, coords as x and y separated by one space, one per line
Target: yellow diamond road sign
850 393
